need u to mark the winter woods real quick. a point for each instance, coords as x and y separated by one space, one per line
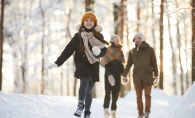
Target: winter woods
34 32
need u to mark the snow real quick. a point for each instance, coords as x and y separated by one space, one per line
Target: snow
42 106
187 106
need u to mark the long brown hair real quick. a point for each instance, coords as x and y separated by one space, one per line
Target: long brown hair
95 33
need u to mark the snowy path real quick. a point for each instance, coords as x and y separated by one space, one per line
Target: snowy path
31 106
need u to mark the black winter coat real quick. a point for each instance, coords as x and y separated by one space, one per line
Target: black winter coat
83 67
114 68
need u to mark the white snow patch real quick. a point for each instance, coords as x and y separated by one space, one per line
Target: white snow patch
187 106
42 106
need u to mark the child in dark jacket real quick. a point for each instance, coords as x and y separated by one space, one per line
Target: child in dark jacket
88 45
113 63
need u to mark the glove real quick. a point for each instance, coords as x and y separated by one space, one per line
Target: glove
52 66
96 50
156 80
111 80
125 80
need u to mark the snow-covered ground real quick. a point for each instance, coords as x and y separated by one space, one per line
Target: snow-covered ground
42 106
187 106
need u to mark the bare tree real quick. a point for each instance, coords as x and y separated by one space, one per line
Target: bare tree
120 16
1 41
161 44
193 40
138 15
174 67
42 49
89 5
153 30
186 49
179 49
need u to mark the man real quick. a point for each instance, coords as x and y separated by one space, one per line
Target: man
145 72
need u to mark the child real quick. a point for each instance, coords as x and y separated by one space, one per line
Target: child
89 45
113 63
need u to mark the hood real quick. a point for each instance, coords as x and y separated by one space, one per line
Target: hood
143 45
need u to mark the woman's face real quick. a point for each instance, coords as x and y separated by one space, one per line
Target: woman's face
116 42
89 23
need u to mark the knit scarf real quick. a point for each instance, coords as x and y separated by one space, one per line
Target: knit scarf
112 54
89 38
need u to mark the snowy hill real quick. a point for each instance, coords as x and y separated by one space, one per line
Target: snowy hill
41 106
187 106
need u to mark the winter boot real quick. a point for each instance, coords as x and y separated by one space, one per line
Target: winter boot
87 114
106 113
114 114
140 116
79 110
146 114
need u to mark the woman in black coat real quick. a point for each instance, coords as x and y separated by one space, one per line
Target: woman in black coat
88 45
113 63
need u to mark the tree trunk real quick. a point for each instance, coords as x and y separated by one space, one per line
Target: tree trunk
1 41
173 59
193 40
161 44
119 14
153 31
138 15
186 51
116 18
179 47
89 5
181 68
42 50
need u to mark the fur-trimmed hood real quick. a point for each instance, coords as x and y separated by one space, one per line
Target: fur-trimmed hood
98 28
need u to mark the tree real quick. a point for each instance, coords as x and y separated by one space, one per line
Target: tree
179 48
173 59
161 44
120 16
42 48
193 40
1 41
89 5
138 15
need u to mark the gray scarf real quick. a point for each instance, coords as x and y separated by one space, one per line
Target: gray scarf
89 38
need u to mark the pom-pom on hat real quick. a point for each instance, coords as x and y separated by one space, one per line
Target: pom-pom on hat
89 14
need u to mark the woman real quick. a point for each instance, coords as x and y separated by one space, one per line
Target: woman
89 45
113 63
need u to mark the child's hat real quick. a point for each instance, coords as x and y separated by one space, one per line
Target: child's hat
114 37
89 14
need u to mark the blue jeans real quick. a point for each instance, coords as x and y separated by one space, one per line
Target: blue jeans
86 91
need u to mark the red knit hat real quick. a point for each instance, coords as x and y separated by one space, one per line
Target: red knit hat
89 14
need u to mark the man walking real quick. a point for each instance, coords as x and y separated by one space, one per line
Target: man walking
145 72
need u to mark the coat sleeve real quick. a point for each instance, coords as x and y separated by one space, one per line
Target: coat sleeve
69 50
103 52
128 66
122 69
154 63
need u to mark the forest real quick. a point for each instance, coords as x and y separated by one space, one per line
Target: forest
33 34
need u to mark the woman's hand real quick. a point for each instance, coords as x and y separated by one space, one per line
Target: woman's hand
52 66
124 80
96 50
111 80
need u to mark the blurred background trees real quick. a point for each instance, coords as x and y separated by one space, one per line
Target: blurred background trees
33 34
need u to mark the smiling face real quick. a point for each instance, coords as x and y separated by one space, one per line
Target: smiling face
137 39
89 23
116 42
